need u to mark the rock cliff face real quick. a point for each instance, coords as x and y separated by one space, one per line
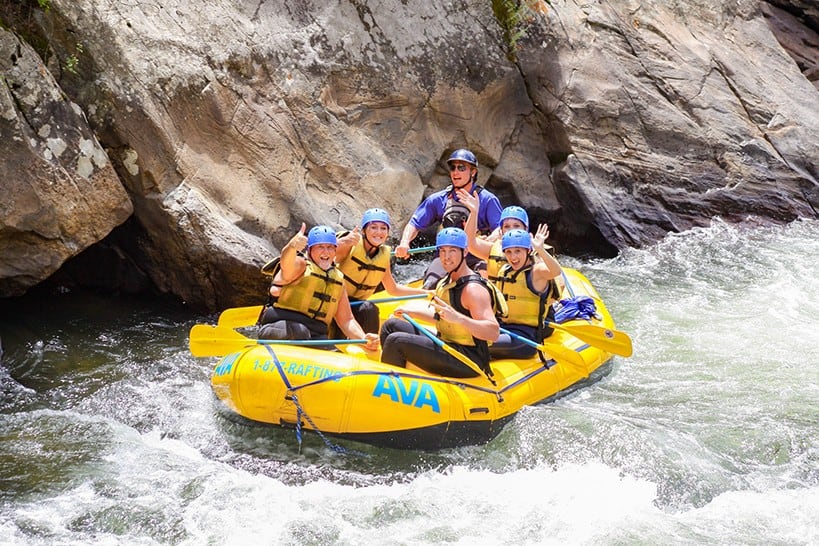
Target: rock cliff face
229 123
60 193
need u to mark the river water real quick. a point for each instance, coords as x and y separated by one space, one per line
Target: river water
709 434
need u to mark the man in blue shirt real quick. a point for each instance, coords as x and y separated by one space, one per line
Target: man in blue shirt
444 208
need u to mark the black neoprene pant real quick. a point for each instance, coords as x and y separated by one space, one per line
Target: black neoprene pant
401 343
508 347
285 324
365 313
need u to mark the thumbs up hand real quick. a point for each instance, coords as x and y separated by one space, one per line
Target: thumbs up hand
356 235
299 240
352 238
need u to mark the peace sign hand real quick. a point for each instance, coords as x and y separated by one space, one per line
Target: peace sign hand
444 311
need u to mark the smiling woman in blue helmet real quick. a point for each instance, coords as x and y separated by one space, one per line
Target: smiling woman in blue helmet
512 217
444 208
364 261
527 286
308 292
462 311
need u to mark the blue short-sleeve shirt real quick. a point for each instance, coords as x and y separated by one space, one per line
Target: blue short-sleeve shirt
431 210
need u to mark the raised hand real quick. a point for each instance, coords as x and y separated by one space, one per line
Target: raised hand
469 200
540 237
352 238
299 240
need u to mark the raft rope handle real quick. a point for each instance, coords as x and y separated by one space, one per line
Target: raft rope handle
335 447
498 393
545 368
292 390
300 412
396 373
339 449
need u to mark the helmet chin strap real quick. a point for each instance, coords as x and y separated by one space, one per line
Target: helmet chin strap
463 259
468 184
366 240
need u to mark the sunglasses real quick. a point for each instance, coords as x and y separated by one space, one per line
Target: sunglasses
460 167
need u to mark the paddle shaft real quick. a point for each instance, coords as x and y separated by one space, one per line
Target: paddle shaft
446 347
387 300
418 250
308 342
554 349
240 317
221 340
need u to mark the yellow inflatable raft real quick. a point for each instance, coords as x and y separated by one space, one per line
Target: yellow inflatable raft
351 394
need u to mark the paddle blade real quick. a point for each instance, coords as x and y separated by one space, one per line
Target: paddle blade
240 317
608 339
560 352
216 340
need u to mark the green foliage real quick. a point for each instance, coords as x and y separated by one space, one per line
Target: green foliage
73 61
515 17
26 17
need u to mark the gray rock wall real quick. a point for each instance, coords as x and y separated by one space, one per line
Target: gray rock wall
230 123
60 193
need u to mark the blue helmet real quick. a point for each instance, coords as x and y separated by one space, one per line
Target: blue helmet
375 215
515 212
451 236
321 235
463 155
516 238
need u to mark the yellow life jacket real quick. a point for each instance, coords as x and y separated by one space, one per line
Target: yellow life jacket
495 261
450 292
526 306
363 274
315 294
524 303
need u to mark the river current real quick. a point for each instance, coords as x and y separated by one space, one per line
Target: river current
709 434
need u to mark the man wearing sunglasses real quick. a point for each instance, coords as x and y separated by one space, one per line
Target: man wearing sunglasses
444 208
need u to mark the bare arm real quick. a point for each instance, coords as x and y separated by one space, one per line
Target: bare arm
426 314
292 265
477 246
396 289
548 268
481 321
351 328
409 233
